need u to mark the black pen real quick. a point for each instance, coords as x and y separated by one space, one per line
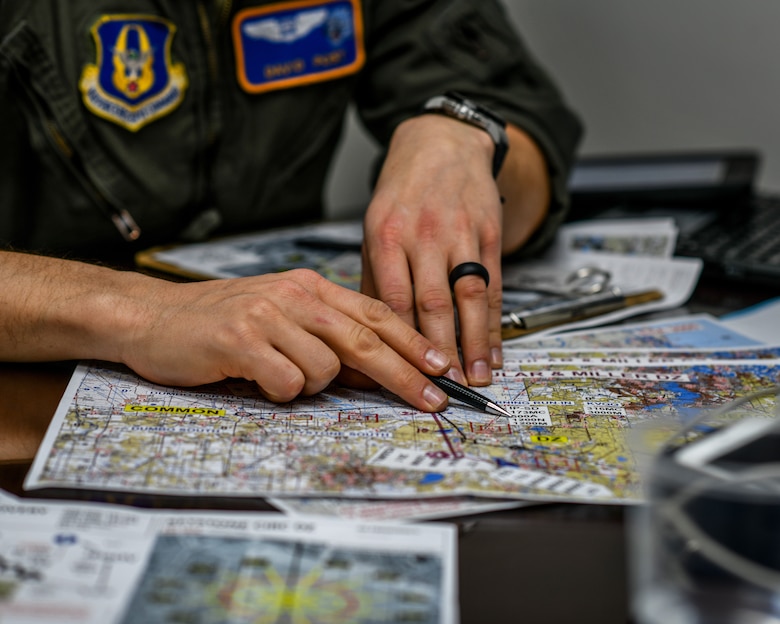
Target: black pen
468 396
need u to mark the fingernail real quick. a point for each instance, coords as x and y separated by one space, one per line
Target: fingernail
456 375
496 358
480 372
433 396
436 358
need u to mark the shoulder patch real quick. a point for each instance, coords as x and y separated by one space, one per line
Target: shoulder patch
133 80
296 43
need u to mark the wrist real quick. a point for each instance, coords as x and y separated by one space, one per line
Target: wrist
111 313
460 108
429 139
525 184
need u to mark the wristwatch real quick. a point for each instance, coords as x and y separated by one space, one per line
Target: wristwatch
454 105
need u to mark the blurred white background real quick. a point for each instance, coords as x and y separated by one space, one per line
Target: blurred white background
644 75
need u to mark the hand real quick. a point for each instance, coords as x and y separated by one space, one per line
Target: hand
436 205
290 332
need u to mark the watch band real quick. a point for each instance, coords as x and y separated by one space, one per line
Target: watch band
454 105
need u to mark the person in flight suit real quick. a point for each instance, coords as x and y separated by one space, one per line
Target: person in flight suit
125 125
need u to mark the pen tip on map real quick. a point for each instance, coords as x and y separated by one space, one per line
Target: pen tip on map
497 409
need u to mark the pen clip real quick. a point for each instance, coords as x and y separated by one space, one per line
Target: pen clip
564 304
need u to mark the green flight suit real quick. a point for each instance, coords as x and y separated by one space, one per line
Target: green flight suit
257 159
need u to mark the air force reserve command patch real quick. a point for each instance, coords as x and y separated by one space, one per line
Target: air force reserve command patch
296 43
133 81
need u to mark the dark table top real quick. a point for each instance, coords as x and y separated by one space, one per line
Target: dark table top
546 563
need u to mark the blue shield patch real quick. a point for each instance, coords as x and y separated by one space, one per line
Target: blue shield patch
295 43
133 81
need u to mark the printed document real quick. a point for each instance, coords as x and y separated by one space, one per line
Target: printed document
106 564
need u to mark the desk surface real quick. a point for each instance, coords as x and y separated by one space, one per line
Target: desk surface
550 563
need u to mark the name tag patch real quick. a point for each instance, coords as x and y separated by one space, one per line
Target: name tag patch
133 80
296 43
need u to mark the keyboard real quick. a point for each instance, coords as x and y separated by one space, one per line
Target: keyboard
743 244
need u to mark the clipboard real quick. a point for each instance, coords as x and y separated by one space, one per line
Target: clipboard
150 259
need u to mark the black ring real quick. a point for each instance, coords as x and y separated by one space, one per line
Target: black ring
468 268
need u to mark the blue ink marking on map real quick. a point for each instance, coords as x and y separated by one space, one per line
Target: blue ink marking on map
502 462
431 477
64 539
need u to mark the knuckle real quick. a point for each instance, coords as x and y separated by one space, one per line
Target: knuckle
435 301
399 304
261 307
326 372
429 228
494 336
389 235
408 377
495 299
290 287
365 341
246 326
378 312
305 276
285 387
478 344
329 368
471 287
235 338
490 236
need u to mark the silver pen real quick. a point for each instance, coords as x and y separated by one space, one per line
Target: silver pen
571 309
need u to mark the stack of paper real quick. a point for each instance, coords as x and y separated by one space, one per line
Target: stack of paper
636 254
104 564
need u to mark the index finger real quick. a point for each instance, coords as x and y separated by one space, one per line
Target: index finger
370 338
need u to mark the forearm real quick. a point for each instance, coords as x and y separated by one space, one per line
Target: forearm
53 309
525 186
291 332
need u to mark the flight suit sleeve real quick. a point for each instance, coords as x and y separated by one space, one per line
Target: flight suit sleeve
421 48
16 164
